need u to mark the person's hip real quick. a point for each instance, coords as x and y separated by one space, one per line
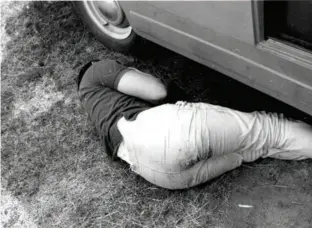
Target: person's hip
166 140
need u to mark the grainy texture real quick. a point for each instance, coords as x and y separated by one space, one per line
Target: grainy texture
54 170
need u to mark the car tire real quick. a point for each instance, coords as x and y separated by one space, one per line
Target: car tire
121 42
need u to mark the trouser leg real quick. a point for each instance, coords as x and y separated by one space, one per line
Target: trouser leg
179 147
272 135
263 134
298 143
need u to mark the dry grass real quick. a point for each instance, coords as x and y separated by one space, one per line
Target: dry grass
54 170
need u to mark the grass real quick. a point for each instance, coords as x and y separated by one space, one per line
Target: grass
54 172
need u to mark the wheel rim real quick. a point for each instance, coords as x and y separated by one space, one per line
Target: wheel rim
107 22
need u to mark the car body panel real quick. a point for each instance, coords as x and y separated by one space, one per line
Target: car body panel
222 35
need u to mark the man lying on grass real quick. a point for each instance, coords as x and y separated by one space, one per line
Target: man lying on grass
184 144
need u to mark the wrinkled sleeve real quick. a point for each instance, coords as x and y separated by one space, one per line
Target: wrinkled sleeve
105 73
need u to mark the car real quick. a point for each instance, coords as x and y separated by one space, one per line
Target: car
264 44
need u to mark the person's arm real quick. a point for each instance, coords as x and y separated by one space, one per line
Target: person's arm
142 85
130 81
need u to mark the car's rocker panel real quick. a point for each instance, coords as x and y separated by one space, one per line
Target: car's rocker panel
284 73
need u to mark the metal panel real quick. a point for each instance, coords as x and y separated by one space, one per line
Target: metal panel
285 77
234 18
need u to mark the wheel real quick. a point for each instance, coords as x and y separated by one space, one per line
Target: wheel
107 21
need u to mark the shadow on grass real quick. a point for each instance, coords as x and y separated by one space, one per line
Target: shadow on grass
52 160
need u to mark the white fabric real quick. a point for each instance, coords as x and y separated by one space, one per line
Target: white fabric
182 145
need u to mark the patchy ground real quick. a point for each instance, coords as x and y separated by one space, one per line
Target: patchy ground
54 172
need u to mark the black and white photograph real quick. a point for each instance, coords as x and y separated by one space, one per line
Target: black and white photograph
156 114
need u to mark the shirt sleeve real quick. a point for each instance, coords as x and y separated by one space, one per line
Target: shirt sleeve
106 73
